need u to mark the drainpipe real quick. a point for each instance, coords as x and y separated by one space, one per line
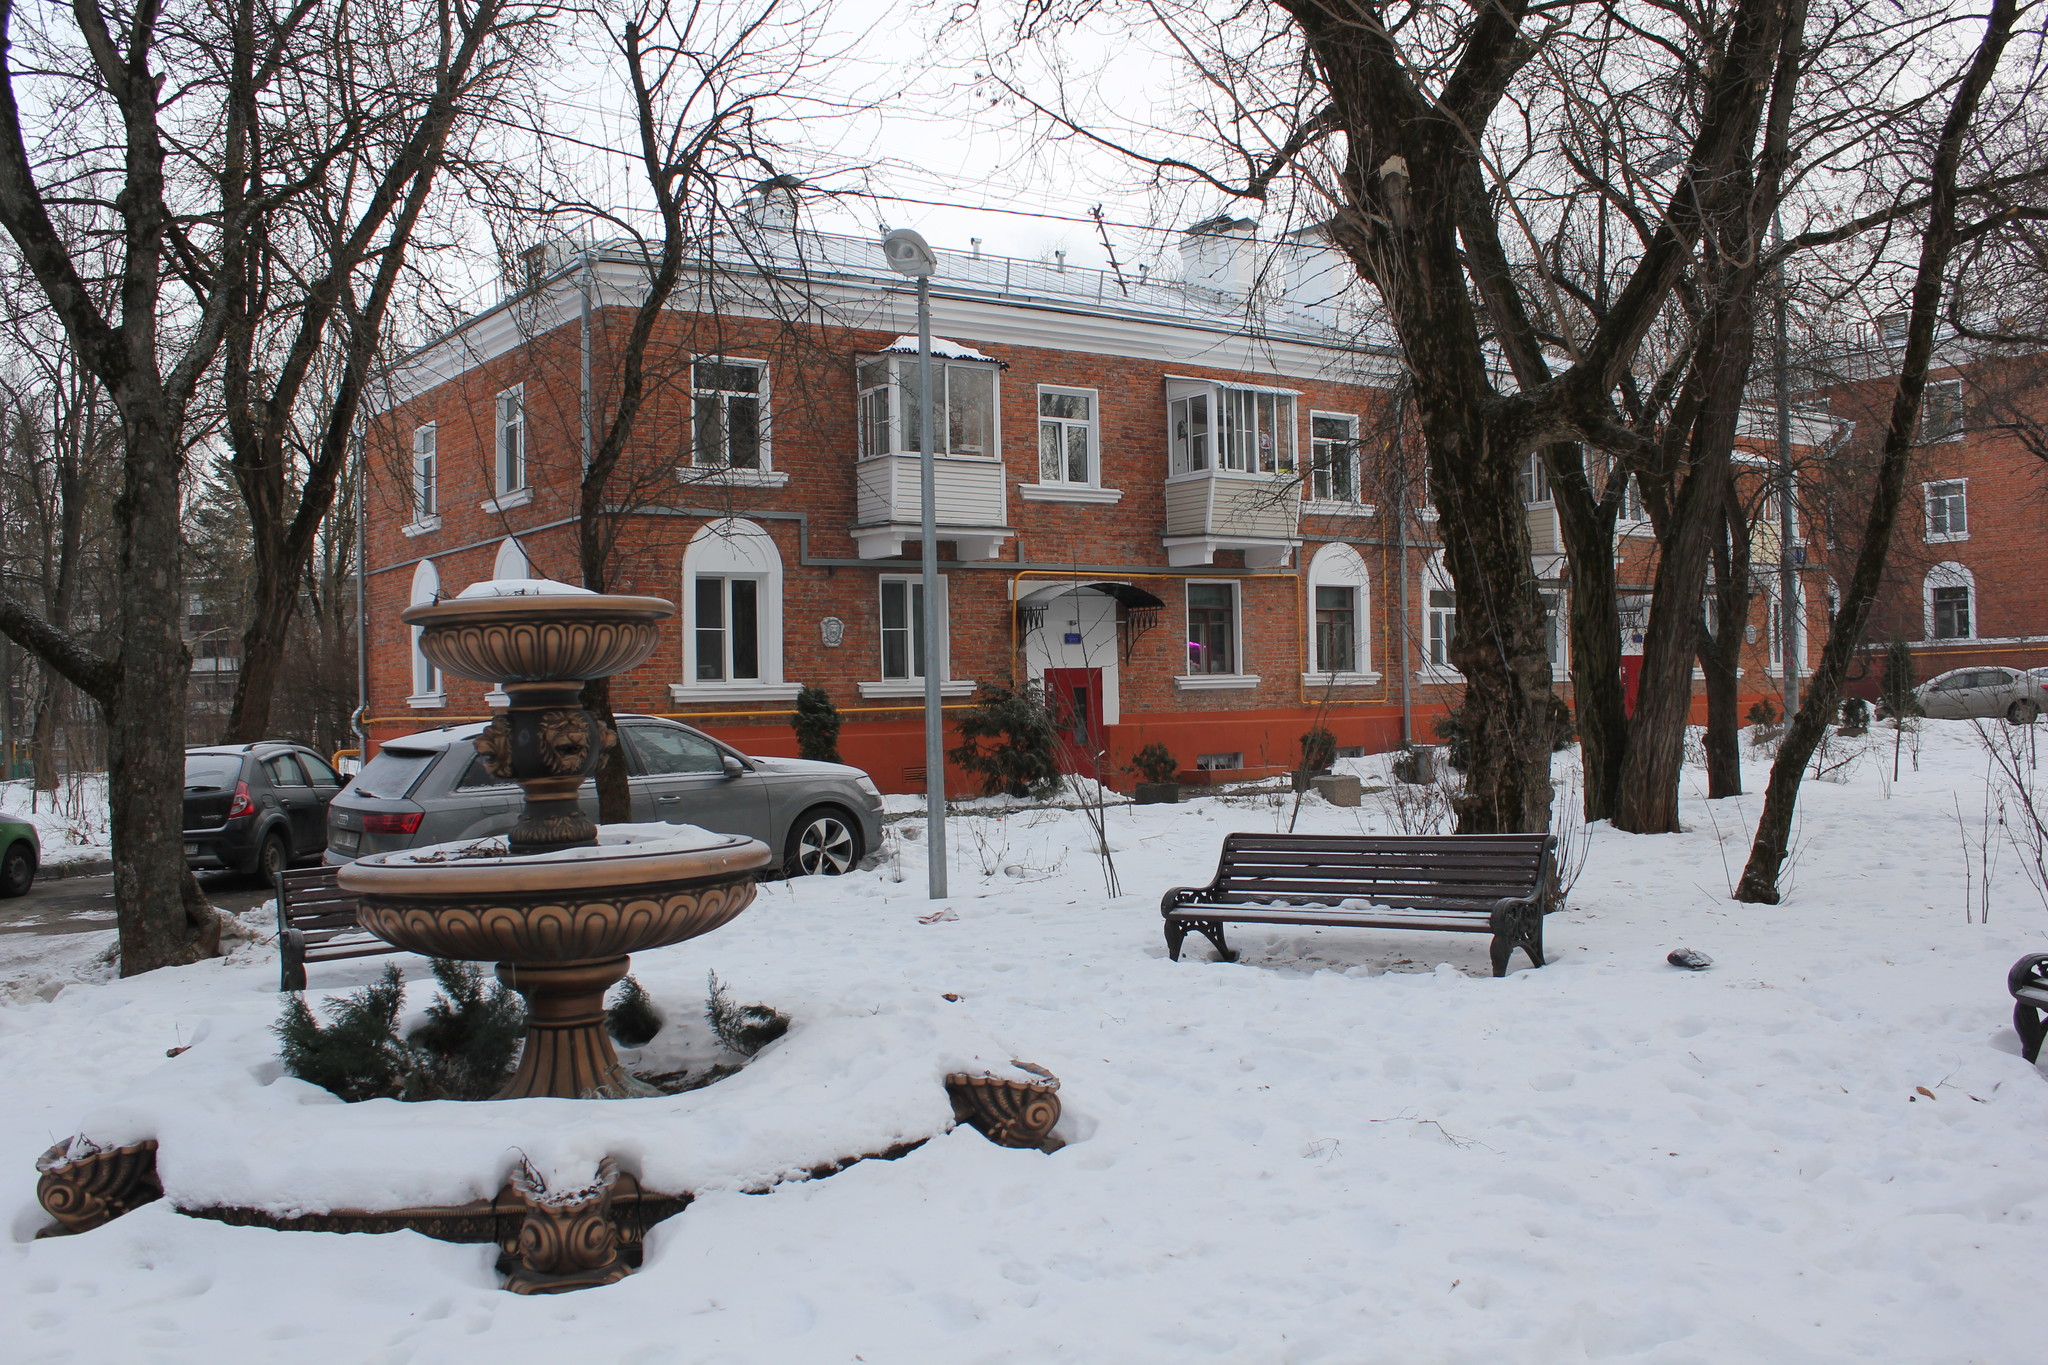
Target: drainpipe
585 340
362 601
1407 672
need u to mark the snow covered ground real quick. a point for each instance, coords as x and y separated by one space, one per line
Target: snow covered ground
1349 1147
71 822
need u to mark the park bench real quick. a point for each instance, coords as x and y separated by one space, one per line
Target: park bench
316 922
2028 982
1498 884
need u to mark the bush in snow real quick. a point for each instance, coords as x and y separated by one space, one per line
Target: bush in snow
631 1018
463 1052
470 1040
357 1055
817 725
1318 752
745 1029
1010 741
1155 763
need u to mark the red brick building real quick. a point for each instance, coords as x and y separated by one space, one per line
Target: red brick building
1965 582
1177 504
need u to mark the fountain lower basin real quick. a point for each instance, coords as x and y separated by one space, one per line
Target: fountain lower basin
560 926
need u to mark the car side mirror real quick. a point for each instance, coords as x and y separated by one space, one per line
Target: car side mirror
733 767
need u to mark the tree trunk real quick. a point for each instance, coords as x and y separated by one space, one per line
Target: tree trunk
1721 648
264 643
1498 643
1600 702
614 793
159 926
1648 799
1767 851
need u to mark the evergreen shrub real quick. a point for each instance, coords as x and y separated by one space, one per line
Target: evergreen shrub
744 1029
631 1018
1009 740
817 725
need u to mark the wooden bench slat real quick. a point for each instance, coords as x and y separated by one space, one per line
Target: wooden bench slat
317 923
1471 924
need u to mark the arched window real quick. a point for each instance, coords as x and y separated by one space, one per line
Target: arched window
1949 599
1774 597
732 614
428 692
1339 618
511 561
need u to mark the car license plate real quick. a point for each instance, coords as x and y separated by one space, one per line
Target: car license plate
191 850
344 840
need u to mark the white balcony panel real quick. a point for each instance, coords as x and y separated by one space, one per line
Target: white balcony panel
967 506
1544 536
1222 510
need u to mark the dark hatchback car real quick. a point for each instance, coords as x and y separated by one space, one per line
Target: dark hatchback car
256 808
431 788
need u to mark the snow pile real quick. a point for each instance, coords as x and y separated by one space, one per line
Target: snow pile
613 841
71 822
521 587
1350 1146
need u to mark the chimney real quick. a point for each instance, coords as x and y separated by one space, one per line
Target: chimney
1314 276
1216 254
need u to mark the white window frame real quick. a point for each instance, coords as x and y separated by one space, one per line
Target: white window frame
1943 399
895 400
763 450
429 687
729 548
1439 624
1355 505
1338 565
1774 663
1950 575
1237 677
1557 632
1534 481
913 684
425 483
1262 448
1961 502
509 435
1092 425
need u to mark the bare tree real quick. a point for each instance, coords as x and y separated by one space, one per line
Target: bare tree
360 108
1938 240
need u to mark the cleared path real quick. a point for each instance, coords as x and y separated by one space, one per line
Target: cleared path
77 905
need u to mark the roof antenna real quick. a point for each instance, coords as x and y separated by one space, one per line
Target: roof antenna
1102 230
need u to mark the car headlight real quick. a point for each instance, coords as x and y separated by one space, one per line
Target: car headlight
867 784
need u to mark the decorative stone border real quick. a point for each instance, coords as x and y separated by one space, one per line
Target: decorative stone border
1007 1111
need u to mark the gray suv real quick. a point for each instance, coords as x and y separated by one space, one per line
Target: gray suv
431 788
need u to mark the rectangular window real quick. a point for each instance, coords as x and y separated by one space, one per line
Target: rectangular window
1941 411
1247 430
1443 621
963 407
1066 436
425 496
1554 628
1632 500
1188 420
1948 516
1333 457
903 654
728 628
1336 630
1219 763
1952 613
1212 628
725 410
1535 480
511 444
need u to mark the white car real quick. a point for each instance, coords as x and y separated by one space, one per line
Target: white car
1983 691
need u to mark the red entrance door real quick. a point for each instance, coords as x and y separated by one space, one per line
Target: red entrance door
1075 696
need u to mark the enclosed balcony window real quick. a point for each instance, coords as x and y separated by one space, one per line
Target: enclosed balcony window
1224 427
963 406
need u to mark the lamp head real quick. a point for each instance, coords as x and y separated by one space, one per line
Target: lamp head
908 254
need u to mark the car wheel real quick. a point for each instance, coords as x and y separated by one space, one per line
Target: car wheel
823 842
271 859
2021 713
17 870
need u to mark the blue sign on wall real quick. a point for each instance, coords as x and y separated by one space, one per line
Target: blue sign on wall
1073 637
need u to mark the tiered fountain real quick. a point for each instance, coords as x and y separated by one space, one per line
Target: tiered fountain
559 911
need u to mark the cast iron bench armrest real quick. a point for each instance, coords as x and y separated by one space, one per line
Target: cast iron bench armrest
1494 884
2028 982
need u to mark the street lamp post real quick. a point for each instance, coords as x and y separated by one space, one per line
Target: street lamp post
908 254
